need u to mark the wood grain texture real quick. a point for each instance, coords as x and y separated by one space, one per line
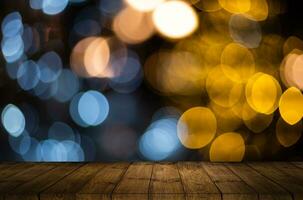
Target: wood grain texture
266 188
8 170
293 185
144 180
66 188
40 183
135 182
230 185
196 183
166 182
103 183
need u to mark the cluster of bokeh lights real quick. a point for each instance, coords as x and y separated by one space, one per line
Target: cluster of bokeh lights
226 81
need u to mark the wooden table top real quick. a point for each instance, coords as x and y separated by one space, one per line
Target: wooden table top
143 180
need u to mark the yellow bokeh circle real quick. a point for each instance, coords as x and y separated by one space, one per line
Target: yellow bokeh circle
290 105
236 6
254 121
286 134
222 90
237 62
197 127
262 93
228 147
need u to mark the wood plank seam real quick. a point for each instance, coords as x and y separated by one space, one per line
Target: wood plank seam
17 172
181 180
221 194
244 181
120 179
298 165
39 198
292 196
150 180
21 172
43 192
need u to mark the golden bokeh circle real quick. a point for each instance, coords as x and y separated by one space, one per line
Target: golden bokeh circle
290 105
286 134
262 93
197 127
228 147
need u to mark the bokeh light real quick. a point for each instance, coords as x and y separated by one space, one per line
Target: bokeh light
245 31
50 66
144 5
136 32
228 147
13 120
12 48
236 6
254 121
36 4
262 93
90 57
207 5
28 75
110 8
89 109
12 25
21 144
238 62
172 24
68 85
287 134
60 131
160 140
158 80
223 91
53 7
290 105
197 127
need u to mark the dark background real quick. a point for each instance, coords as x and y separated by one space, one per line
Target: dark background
135 109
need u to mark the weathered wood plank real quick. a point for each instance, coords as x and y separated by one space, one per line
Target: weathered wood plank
291 184
196 183
166 182
102 185
24 176
32 172
135 182
231 186
290 169
266 188
8 170
26 173
66 188
298 164
32 188
184 180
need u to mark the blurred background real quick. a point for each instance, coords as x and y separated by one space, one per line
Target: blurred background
158 80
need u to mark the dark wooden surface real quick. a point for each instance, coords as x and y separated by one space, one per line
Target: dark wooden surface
144 180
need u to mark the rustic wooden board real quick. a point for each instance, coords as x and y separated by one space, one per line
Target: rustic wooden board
40 183
196 182
166 182
146 180
230 185
291 184
103 183
8 170
265 187
135 182
67 187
